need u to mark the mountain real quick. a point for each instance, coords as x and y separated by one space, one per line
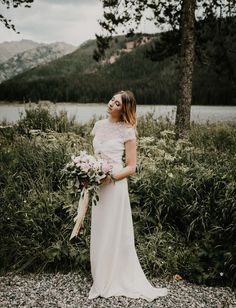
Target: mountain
10 49
33 57
78 77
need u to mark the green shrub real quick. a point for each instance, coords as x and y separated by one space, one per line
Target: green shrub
44 118
191 192
183 199
34 222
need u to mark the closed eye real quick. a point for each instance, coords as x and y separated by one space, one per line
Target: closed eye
117 102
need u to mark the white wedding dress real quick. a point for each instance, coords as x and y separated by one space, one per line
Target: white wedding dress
115 267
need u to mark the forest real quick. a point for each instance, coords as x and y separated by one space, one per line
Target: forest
77 77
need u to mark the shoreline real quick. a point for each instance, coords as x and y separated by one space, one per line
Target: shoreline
22 103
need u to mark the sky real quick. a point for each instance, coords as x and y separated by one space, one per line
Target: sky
48 21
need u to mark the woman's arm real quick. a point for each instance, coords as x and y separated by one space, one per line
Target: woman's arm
130 161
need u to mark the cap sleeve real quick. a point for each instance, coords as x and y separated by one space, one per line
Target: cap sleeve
129 134
93 131
95 128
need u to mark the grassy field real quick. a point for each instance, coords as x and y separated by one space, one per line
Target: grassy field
183 198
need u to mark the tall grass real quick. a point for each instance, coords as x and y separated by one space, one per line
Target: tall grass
183 198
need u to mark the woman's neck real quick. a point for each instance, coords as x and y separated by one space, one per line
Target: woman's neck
113 120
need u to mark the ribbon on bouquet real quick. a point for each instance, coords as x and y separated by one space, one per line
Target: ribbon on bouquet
81 211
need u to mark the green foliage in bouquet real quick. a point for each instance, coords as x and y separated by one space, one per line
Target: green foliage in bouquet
85 171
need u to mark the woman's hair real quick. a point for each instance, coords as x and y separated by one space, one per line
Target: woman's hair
128 107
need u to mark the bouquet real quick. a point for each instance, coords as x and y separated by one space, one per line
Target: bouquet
84 174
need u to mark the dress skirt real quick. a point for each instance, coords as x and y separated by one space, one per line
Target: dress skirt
115 267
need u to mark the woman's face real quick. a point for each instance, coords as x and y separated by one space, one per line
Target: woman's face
114 106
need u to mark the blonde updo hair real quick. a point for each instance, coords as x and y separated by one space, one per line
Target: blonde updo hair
128 107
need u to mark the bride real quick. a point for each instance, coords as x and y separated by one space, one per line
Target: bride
115 267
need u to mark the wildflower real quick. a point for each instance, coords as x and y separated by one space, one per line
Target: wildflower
165 133
161 142
160 152
169 157
146 140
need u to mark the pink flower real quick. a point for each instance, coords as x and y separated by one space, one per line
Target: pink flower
96 165
106 167
76 159
85 167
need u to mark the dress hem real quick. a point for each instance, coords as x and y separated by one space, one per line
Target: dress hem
139 295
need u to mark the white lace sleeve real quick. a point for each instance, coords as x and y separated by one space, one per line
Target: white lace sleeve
95 127
129 134
93 131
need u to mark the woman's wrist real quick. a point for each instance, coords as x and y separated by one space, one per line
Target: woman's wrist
113 178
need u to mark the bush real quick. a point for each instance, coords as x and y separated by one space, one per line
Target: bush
190 191
183 199
43 117
34 222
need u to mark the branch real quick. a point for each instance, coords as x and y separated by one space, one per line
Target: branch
14 4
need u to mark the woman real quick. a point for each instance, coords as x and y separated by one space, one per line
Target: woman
115 267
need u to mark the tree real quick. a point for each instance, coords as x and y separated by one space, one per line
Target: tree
13 3
182 120
177 16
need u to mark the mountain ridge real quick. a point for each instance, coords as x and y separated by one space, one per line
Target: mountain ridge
32 57
77 77
10 48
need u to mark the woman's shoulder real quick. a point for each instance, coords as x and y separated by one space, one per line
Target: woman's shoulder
129 132
99 126
100 121
128 126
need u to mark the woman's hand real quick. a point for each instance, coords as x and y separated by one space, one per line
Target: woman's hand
106 180
130 161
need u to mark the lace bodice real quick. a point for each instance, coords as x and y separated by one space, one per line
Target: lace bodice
109 139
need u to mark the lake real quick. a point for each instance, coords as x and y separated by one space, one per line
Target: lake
84 112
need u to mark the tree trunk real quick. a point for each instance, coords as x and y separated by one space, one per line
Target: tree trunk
187 27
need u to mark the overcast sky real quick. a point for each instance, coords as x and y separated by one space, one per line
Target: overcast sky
47 21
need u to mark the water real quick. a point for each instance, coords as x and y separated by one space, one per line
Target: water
84 112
